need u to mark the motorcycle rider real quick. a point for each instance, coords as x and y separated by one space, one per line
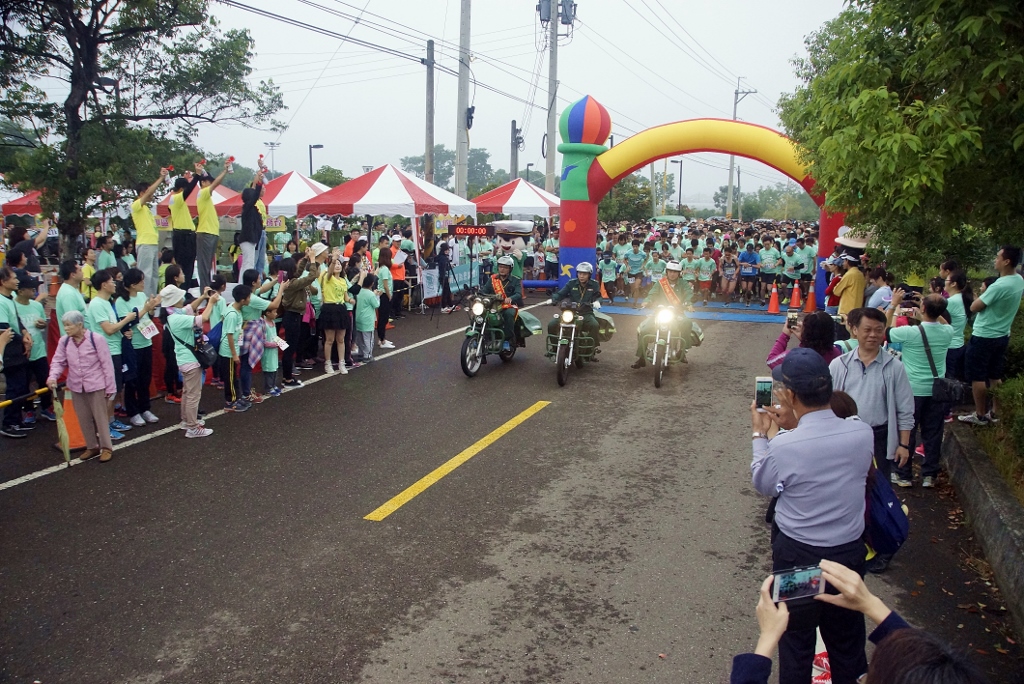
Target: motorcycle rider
509 289
581 290
673 291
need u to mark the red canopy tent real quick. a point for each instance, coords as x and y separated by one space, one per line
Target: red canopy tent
386 191
518 198
26 205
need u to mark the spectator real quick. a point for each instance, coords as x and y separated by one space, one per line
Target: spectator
105 253
88 270
902 655
816 331
119 261
818 471
16 364
183 233
334 317
266 296
386 286
228 353
294 300
851 288
959 300
367 302
401 286
171 383
923 349
271 357
995 309
147 237
182 327
33 317
882 295
132 297
252 232
831 267
444 270
18 241
69 295
208 229
83 354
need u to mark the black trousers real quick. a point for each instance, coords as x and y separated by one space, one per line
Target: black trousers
40 370
183 243
17 385
136 392
842 630
401 287
383 314
883 464
232 387
349 335
928 428
292 322
170 363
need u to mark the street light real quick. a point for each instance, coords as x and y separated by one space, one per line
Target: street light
273 146
528 172
311 148
679 197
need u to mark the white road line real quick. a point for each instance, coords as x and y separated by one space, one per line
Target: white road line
121 446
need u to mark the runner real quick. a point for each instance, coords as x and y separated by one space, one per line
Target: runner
769 257
792 265
728 267
610 271
706 267
750 262
634 261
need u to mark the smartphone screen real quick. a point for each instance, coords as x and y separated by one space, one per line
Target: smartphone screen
791 319
797 583
763 391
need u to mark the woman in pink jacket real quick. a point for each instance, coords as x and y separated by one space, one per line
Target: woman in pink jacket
86 357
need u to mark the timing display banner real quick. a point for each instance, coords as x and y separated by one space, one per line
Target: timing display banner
465 231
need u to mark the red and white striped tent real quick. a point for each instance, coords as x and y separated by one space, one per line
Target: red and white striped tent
281 195
7 192
386 191
518 198
26 205
221 194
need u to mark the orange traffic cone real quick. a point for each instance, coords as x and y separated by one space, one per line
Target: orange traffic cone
76 440
812 301
773 303
604 292
796 302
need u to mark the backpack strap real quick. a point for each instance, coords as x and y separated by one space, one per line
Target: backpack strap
928 351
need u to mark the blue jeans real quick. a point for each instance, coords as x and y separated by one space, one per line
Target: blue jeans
261 254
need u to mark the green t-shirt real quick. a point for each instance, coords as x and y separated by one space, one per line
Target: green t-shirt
254 309
689 270
387 281
790 263
271 355
609 271
915 360
810 257
550 257
677 252
9 314
231 325
619 251
99 310
958 318
1002 301
105 260
29 314
769 260
705 269
182 327
217 313
656 269
366 306
634 261
69 298
139 340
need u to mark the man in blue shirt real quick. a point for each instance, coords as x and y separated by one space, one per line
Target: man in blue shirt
750 263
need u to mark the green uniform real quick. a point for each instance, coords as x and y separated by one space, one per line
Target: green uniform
579 294
29 314
769 261
514 291
656 297
69 298
790 263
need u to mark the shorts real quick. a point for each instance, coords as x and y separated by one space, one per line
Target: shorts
631 278
729 277
805 277
986 358
768 278
748 278
334 317
551 269
705 284
118 371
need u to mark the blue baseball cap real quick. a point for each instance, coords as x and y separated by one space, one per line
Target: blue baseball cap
803 370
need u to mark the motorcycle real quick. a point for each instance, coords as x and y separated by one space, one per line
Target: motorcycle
667 347
485 336
573 345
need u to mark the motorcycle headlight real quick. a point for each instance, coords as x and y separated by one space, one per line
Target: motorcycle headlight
477 308
479 319
567 316
664 317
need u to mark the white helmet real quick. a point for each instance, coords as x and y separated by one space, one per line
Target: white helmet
585 267
674 266
506 261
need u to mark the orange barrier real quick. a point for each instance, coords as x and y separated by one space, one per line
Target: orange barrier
76 440
795 292
773 303
812 301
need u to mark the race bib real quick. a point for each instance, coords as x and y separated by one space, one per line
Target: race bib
282 345
52 233
630 280
149 331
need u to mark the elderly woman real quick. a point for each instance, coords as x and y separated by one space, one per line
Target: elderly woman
86 357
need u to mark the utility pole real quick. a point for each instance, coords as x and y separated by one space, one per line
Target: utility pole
737 96
462 129
428 154
654 202
552 146
739 191
664 181
513 166
679 197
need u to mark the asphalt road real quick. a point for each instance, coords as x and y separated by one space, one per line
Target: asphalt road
611 537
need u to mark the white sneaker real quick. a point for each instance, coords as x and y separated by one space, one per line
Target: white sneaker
387 344
149 417
328 367
342 368
184 426
137 420
198 432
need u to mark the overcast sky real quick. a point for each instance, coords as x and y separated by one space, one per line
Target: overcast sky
367 107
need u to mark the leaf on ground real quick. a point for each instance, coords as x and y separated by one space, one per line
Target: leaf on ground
920 583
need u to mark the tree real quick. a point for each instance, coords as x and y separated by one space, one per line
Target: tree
329 176
14 141
127 66
664 188
630 200
479 173
444 165
912 115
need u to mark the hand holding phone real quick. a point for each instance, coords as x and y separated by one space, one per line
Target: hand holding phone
762 392
797 583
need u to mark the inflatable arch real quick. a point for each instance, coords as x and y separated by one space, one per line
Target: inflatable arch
590 170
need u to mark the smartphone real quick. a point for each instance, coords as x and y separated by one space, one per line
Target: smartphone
792 318
5 326
797 583
907 311
763 391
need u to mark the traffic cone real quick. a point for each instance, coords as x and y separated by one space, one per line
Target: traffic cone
795 302
604 292
76 440
812 301
773 303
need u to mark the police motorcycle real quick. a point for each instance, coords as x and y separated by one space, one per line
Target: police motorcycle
574 344
673 334
485 335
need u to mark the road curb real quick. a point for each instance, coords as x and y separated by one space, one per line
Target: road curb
993 511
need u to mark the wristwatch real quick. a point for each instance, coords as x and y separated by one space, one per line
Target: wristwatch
905 446
759 435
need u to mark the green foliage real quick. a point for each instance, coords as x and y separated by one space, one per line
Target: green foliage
329 176
129 66
444 165
782 202
629 200
911 115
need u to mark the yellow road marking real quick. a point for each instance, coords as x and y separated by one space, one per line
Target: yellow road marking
434 476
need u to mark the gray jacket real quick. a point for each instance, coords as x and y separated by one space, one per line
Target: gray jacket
899 397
